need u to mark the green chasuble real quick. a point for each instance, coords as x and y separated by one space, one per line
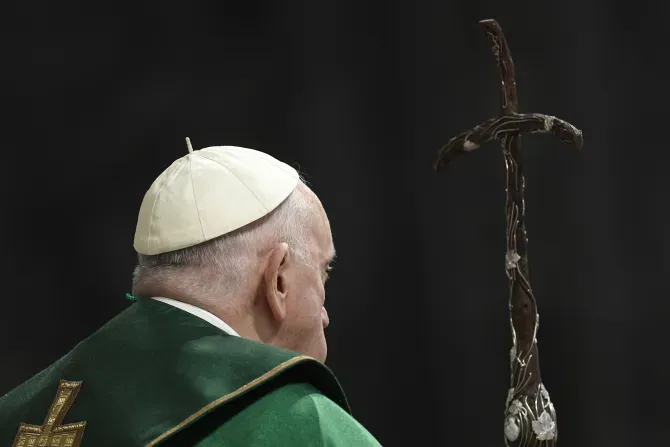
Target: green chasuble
156 375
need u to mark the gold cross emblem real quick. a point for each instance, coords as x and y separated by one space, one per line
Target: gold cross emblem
51 433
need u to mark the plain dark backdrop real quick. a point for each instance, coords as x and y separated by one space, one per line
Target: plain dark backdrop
97 100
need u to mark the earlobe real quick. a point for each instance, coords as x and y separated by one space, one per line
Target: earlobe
275 281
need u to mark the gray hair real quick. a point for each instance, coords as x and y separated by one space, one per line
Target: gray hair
222 264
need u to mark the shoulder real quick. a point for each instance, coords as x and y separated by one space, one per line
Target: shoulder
294 414
335 426
304 416
301 415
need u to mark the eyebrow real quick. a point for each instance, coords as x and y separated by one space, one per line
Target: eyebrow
331 258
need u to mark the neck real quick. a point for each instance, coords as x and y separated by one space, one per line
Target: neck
248 315
234 316
250 318
238 313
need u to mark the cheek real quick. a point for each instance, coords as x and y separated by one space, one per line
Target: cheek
306 299
306 294
312 299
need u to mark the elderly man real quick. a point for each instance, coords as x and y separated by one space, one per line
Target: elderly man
225 344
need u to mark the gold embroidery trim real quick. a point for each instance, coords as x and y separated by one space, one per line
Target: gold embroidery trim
221 400
51 433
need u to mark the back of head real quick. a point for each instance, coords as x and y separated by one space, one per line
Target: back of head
219 268
207 219
237 233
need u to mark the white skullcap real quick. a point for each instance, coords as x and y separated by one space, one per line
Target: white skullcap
208 193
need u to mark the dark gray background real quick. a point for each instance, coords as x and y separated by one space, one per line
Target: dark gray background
360 95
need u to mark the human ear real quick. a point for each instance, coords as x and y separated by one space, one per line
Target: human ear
275 281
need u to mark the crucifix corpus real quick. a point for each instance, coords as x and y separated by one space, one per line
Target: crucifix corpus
530 417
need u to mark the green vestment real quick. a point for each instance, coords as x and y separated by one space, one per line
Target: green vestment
156 375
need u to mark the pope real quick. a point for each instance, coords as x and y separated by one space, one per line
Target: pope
224 344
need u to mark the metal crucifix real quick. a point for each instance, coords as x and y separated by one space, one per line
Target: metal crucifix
530 417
